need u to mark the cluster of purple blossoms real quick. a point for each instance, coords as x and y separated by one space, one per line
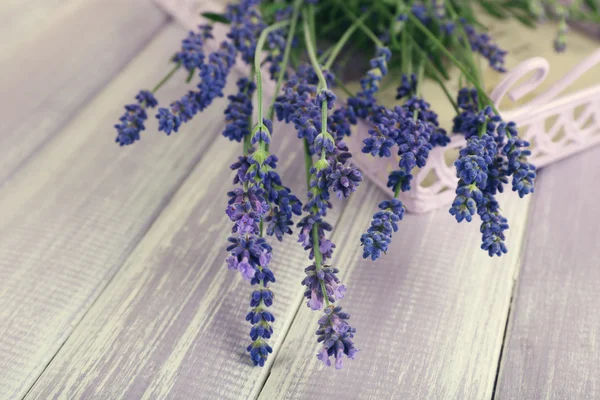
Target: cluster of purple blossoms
301 105
239 111
213 75
246 25
413 129
132 122
336 335
493 153
408 86
482 44
384 224
284 204
191 55
260 196
250 255
364 104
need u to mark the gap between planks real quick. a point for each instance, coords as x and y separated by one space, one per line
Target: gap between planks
127 346
552 344
453 288
40 102
69 218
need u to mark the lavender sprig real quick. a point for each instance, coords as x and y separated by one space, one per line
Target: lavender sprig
384 224
494 152
132 122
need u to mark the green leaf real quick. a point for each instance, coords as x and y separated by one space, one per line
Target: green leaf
494 10
525 21
214 17
593 5
517 4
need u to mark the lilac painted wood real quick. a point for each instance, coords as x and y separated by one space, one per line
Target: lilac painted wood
430 315
55 62
71 216
171 323
552 350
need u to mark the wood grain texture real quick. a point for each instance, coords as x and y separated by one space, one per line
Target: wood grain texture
56 58
71 216
171 323
430 315
552 349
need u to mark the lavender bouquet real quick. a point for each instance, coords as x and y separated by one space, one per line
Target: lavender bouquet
421 40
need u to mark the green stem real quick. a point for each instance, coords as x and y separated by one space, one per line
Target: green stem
257 71
166 78
436 75
361 24
190 75
247 144
311 21
308 163
319 260
397 190
345 37
465 37
312 53
458 64
324 55
315 231
286 56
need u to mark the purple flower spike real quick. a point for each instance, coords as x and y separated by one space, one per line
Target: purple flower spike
384 224
132 122
336 335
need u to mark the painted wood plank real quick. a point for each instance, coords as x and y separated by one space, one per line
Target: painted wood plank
71 216
56 59
430 315
171 323
552 348
21 19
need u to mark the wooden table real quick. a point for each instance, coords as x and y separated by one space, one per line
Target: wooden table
112 279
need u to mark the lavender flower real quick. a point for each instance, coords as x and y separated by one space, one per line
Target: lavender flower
364 103
523 173
132 122
494 152
383 225
285 203
305 236
322 278
249 253
246 25
239 111
344 179
191 55
408 86
482 44
297 105
213 76
472 170
336 335
493 226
